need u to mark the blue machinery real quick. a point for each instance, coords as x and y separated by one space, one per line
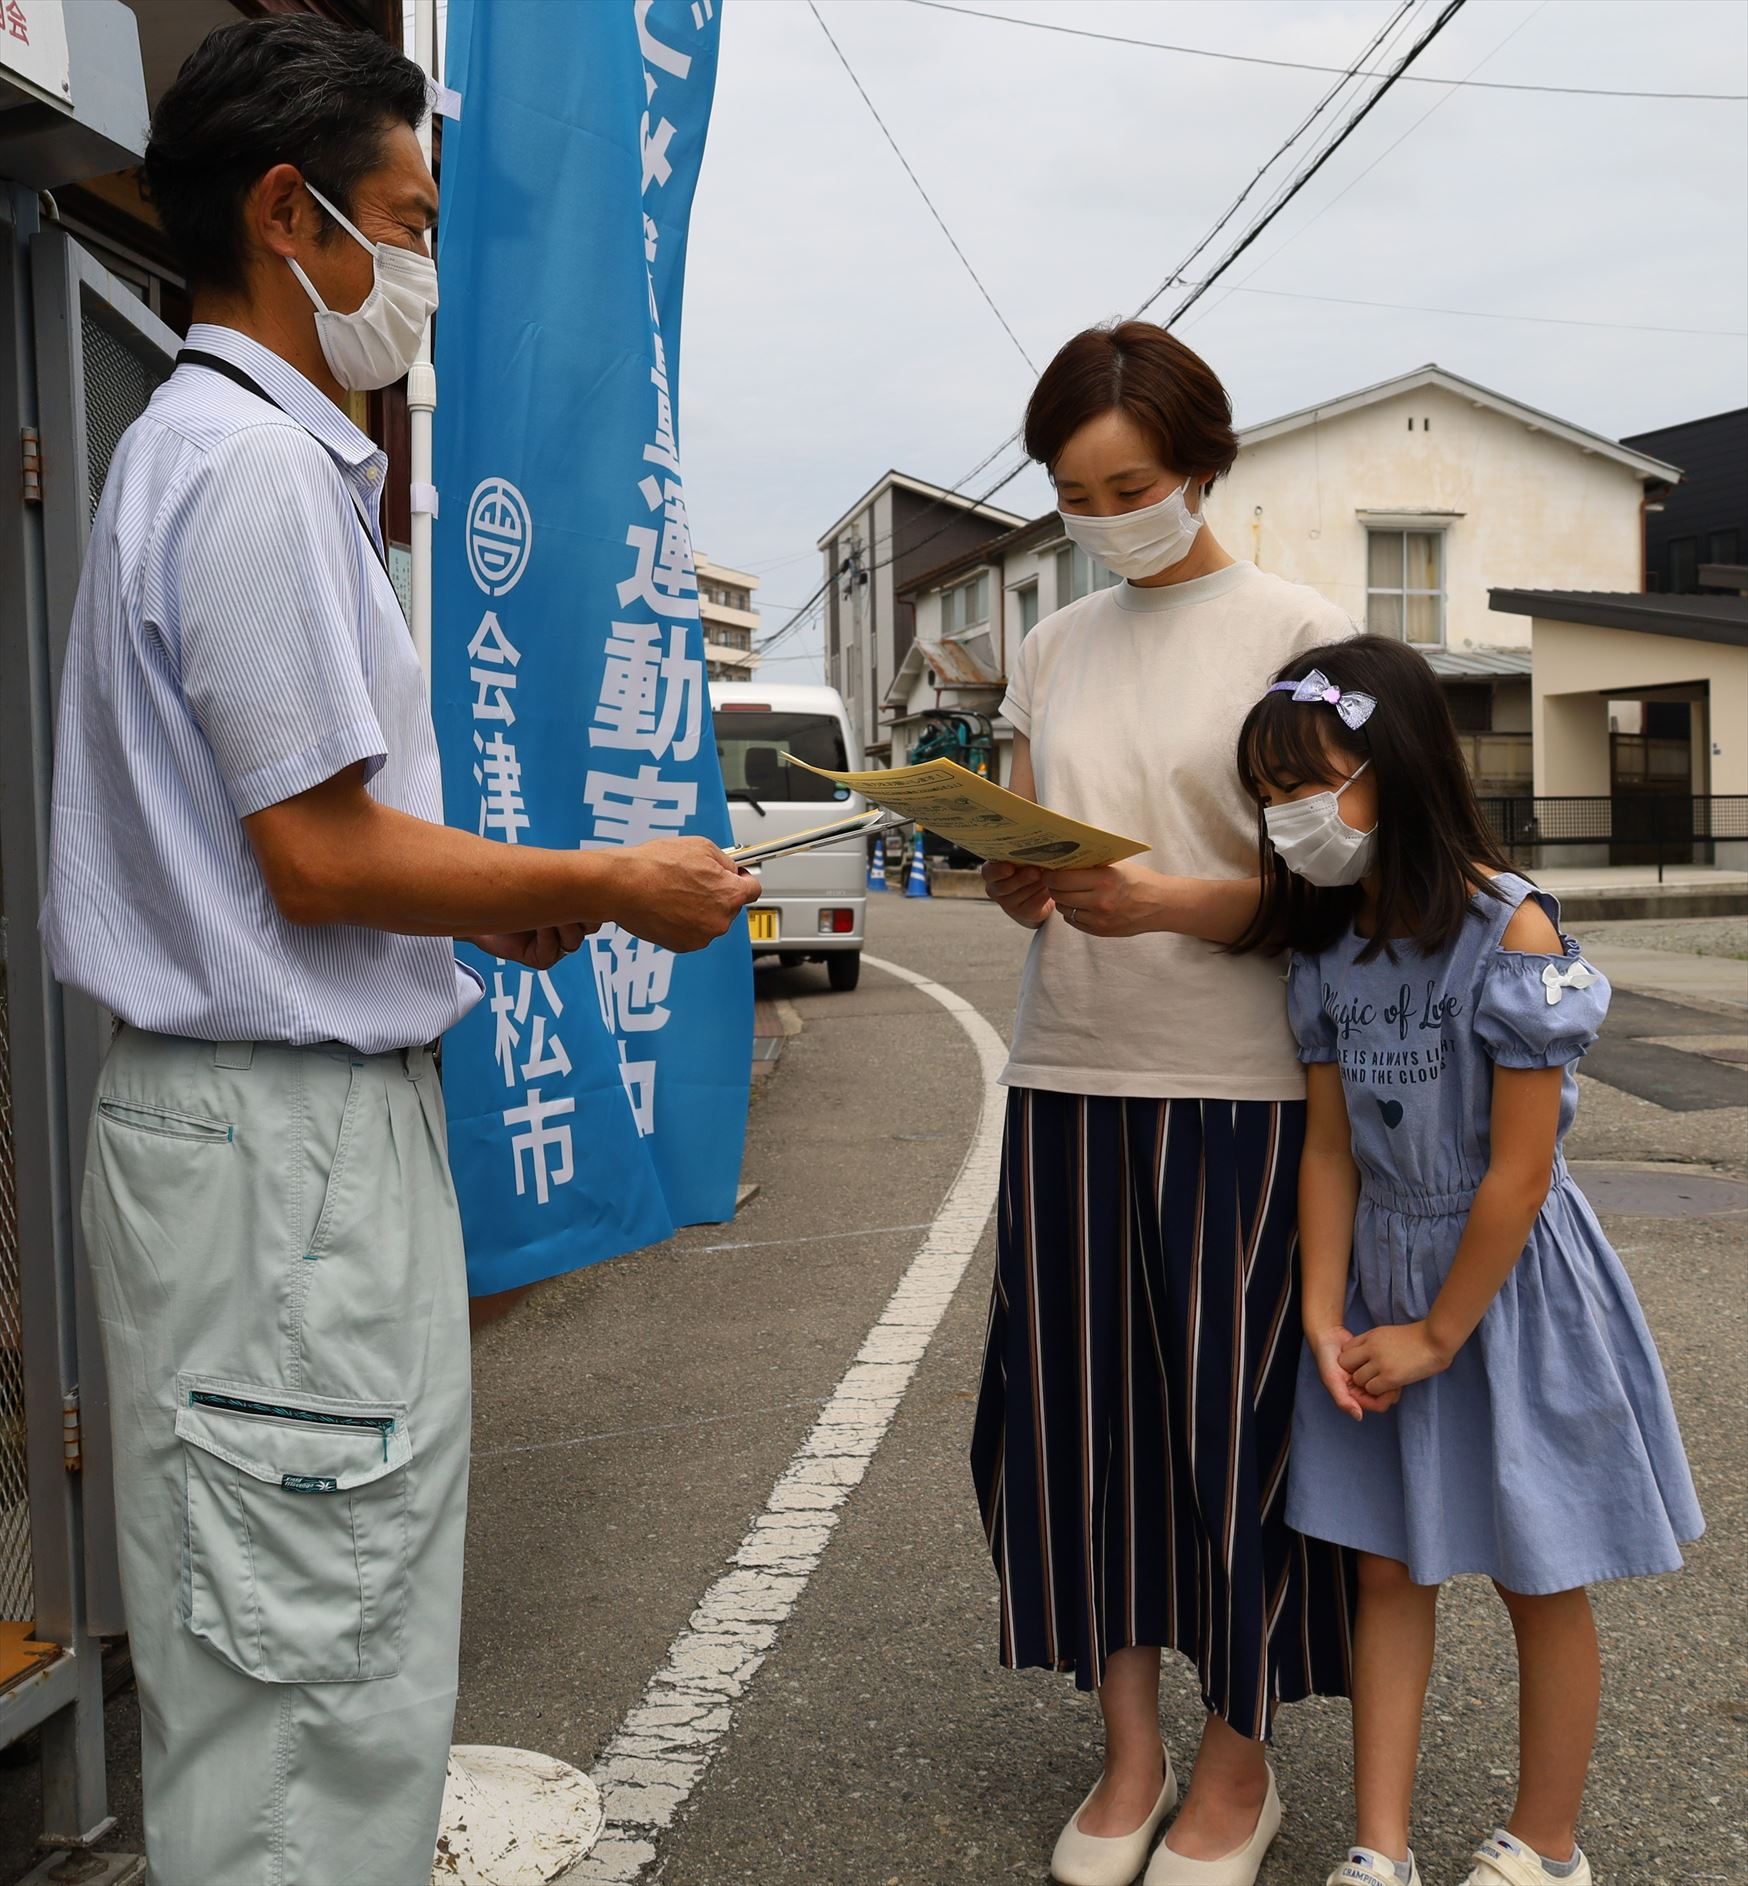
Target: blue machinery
968 738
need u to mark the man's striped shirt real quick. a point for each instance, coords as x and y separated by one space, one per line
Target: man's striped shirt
235 641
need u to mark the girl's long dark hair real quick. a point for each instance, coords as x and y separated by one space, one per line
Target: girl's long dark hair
1433 841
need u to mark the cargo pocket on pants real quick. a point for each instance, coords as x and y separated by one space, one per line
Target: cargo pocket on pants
295 1554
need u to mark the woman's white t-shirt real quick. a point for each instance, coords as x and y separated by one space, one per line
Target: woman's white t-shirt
1132 699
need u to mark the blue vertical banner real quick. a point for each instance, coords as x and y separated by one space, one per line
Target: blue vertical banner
597 1105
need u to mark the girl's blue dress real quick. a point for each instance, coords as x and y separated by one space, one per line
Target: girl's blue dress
1547 1455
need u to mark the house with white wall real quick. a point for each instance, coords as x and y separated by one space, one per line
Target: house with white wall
1641 703
1409 501
1410 504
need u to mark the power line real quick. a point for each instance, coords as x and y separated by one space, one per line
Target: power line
789 628
1304 176
1354 182
1300 65
1385 33
1274 209
1487 314
799 620
911 174
1282 199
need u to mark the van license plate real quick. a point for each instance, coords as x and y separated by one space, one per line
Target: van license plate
762 925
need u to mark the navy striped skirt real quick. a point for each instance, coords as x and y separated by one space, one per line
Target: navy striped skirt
1130 1448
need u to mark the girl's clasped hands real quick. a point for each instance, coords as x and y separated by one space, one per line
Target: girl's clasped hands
1367 1374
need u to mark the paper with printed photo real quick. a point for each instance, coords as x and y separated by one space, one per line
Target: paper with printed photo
984 818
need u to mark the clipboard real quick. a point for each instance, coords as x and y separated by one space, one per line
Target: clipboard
863 824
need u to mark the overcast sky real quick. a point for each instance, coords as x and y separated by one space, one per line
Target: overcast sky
830 332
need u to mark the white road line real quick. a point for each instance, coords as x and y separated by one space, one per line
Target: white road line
661 1750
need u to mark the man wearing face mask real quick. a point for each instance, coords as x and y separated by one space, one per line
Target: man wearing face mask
249 869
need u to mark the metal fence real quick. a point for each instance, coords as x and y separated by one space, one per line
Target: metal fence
17 1598
79 356
1624 828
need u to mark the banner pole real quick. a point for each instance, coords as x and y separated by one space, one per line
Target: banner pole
422 383
510 1817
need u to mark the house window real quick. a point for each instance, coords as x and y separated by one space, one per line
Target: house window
965 607
1079 575
1405 584
1726 547
1026 605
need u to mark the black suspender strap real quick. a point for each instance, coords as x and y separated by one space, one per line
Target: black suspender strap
194 357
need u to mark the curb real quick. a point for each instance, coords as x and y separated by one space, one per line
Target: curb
1672 901
773 1023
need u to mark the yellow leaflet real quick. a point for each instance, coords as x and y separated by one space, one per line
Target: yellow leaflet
984 818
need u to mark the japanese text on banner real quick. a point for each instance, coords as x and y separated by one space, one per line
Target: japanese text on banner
652 705
525 1003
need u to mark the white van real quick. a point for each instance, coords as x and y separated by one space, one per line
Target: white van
814 901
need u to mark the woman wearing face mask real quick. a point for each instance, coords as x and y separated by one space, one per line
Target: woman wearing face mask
1131 1441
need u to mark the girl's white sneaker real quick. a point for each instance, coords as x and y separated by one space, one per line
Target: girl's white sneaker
1366 1867
1238 1868
1109 1859
1502 1861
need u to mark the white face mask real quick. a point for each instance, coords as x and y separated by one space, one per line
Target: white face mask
375 344
1139 543
1312 839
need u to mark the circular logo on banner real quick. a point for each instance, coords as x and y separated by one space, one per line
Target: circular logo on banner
499 535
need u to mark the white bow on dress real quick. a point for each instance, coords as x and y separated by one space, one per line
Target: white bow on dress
1577 975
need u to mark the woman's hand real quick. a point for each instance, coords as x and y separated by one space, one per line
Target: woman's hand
1326 1347
1388 1358
1021 891
1123 899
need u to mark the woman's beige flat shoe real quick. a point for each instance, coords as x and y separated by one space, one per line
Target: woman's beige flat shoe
1232 1869
1109 1859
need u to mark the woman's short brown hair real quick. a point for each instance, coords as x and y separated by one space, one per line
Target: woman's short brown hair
1134 367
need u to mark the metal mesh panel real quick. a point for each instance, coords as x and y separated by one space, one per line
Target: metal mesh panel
16 1598
118 383
1622 818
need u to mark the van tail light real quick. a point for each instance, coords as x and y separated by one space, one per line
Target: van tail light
837 922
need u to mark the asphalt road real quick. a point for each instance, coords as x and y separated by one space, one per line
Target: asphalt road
631 1421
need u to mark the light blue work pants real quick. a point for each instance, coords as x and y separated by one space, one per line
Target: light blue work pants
277 1255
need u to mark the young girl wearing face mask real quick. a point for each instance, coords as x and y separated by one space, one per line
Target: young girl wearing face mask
1478 1390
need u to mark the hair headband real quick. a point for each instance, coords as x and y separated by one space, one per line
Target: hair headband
1354 708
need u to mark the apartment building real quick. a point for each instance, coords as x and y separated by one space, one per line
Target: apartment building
731 620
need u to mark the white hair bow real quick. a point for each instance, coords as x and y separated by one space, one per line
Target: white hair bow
1577 975
1354 708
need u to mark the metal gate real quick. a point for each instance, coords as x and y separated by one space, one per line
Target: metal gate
81 357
